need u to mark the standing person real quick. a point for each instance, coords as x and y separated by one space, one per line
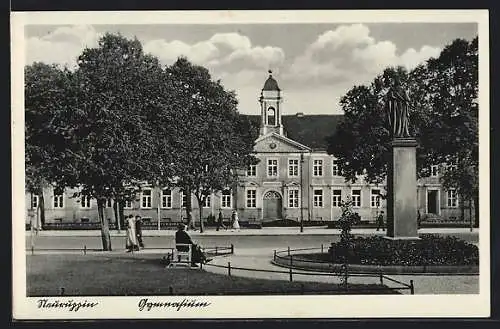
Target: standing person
380 221
419 218
220 221
131 243
138 230
236 223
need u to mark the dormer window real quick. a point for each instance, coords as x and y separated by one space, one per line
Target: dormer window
271 116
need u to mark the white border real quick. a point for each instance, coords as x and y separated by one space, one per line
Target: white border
261 306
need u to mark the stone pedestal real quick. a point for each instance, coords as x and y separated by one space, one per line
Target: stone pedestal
402 190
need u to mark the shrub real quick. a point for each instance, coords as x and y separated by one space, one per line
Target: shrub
429 250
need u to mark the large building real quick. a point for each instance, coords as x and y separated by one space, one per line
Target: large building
295 179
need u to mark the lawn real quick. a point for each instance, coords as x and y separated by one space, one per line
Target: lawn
144 274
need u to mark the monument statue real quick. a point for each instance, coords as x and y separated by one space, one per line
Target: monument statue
397 104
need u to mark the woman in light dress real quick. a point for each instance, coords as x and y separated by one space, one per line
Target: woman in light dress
131 243
236 223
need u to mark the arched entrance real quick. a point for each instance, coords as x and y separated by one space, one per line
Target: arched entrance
272 205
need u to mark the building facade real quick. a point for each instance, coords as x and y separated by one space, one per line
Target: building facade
292 180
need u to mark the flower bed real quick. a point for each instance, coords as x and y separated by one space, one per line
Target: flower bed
429 250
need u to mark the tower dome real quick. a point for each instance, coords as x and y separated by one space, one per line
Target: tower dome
271 84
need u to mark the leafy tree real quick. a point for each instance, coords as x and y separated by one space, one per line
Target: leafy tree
443 117
214 140
45 87
111 147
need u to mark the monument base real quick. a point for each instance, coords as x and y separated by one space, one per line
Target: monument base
401 237
402 190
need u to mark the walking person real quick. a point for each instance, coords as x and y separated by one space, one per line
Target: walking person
380 221
220 221
138 230
131 242
235 221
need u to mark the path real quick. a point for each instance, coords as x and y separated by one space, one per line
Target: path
259 258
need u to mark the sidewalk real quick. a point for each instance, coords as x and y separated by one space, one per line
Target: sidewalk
253 232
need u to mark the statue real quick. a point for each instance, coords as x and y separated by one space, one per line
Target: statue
397 104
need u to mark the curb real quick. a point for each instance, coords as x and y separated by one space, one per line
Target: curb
249 232
377 269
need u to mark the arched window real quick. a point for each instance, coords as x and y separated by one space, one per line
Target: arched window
271 116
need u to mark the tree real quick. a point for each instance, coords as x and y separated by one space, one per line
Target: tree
45 87
216 140
110 152
443 117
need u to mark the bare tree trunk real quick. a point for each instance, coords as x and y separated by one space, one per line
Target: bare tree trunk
117 216
42 210
201 200
189 210
476 209
105 236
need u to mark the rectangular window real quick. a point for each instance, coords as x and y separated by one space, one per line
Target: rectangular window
34 201
272 168
452 198
375 198
317 168
146 197
293 198
58 201
335 168
318 198
356 198
252 171
434 171
207 202
336 198
226 199
293 167
128 204
251 198
166 198
183 200
84 202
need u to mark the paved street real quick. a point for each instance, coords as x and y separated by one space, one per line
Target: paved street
266 238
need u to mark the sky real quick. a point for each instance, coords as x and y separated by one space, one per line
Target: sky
314 64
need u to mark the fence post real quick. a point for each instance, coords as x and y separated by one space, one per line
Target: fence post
84 249
322 245
32 250
412 288
274 256
381 279
232 248
215 250
291 263
301 288
229 268
288 250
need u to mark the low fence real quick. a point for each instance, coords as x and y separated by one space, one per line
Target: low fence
288 257
291 274
211 251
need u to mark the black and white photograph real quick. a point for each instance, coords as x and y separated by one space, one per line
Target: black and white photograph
271 164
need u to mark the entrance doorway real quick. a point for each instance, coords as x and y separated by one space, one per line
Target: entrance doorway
272 205
433 202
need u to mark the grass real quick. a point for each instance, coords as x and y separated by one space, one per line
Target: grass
137 275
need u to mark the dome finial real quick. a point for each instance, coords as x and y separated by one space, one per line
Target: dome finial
270 71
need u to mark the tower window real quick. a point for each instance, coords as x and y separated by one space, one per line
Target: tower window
271 116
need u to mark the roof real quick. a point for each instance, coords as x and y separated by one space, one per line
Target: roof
310 130
271 84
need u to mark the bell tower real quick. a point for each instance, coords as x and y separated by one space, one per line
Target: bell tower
270 107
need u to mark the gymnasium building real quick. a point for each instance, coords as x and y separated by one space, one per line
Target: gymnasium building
295 179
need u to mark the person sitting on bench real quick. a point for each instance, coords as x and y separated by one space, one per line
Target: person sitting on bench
181 237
